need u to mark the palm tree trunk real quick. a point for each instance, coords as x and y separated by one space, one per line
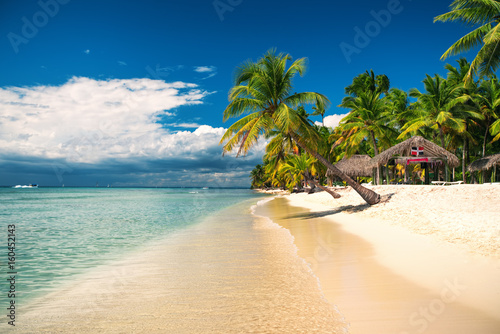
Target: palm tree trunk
333 193
441 135
307 181
485 137
375 148
368 195
464 178
375 151
313 181
465 151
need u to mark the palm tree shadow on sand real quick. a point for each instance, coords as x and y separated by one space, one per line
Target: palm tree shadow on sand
340 209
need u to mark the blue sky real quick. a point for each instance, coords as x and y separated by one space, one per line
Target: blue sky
131 93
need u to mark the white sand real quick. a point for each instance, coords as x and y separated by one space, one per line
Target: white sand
465 215
430 235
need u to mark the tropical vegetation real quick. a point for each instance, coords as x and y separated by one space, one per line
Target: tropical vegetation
485 14
263 93
459 112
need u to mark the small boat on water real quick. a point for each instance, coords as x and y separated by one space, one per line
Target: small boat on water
31 186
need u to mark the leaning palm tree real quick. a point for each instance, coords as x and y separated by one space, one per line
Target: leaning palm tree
263 91
486 14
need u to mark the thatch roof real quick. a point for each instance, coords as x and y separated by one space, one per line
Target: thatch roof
355 166
404 149
485 163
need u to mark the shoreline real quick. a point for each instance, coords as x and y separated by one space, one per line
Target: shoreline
234 272
426 258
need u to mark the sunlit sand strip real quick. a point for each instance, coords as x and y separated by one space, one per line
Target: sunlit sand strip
386 278
233 273
466 215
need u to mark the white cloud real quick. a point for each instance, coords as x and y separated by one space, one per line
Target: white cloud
87 120
185 125
88 126
209 70
86 51
205 69
332 121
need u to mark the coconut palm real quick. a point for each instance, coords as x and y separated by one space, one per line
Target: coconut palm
495 130
263 91
258 176
368 82
456 76
366 120
486 15
296 167
398 108
319 111
437 103
488 101
303 168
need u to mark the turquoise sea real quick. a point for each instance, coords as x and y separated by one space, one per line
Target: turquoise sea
63 232
118 260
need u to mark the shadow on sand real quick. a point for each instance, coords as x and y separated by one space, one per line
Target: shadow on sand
340 209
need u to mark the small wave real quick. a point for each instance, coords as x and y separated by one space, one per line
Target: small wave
270 224
260 203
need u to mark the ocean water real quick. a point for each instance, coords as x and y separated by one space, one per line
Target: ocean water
158 261
62 232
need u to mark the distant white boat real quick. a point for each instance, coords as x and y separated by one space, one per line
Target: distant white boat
205 188
31 186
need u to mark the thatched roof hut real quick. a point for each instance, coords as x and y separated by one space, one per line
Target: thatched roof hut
355 166
485 163
403 149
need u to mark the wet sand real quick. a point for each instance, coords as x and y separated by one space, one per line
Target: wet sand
380 285
233 273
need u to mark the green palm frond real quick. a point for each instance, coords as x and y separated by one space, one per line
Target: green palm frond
307 98
487 60
495 130
472 15
414 125
240 106
486 14
467 42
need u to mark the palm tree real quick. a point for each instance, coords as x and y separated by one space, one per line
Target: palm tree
368 82
263 90
488 101
457 77
398 105
303 168
495 130
296 166
319 111
486 14
257 175
437 102
366 120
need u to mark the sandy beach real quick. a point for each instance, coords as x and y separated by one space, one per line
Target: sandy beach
426 259
232 273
